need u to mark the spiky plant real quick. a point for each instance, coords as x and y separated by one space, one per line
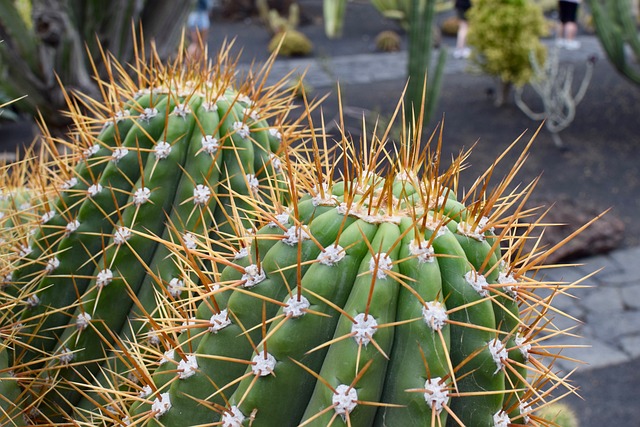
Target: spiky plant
156 158
379 297
504 34
616 26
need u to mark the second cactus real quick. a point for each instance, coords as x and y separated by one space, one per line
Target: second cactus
157 165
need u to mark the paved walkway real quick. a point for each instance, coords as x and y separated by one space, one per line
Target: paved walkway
607 305
323 72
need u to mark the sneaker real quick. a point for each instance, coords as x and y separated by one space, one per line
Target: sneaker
572 44
462 53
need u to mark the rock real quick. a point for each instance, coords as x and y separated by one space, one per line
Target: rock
568 215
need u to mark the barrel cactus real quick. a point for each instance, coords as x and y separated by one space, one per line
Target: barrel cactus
153 162
376 299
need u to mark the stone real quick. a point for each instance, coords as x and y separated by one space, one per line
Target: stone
631 296
601 237
631 345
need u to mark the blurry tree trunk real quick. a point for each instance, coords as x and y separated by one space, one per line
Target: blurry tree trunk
54 46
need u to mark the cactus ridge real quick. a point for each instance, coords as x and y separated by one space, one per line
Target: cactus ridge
377 299
155 167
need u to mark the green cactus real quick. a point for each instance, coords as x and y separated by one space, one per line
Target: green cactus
560 414
618 32
333 12
379 300
425 78
156 164
189 268
388 41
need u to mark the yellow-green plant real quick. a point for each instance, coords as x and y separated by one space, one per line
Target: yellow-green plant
503 34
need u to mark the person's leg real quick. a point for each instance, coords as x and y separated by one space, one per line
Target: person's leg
198 35
562 16
463 29
462 51
571 27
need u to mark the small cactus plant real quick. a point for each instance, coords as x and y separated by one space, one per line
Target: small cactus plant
388 41
156 161
560 414
291 43
379 299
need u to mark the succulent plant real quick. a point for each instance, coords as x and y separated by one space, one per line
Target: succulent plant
374 299
290 43
388 41
615 23
153 162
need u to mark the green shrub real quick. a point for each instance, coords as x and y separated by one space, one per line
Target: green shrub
503 33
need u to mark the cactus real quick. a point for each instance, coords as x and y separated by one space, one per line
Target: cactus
154 162
425 79
290 43
368 291
275 22
377 299
554 85
618 32
400 10
333 12
560 414
388 41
